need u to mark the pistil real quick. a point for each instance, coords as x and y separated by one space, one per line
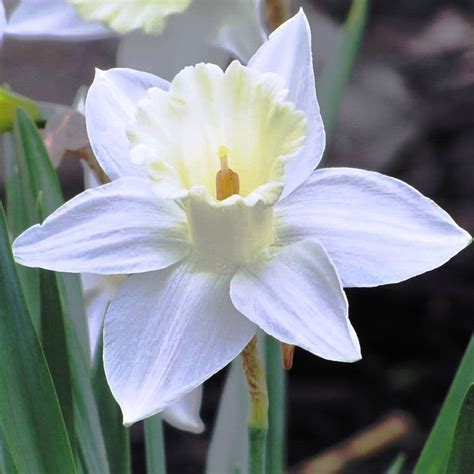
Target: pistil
227 180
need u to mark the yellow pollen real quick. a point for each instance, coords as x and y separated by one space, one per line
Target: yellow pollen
227 180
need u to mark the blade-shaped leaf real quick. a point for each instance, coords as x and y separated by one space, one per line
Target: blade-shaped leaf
434 457
53 341
20 216
397 465
30 414
116 436
7 465
461 457
338 70
44 183
37 171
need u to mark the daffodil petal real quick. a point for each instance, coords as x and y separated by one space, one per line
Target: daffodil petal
294 294
184 414
98 291
3 21
166 332
239 25
178 47
96 302
205 32
120 227
288 54
110 107
54 19
376 229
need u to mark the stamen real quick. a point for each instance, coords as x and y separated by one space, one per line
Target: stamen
287 353
227 180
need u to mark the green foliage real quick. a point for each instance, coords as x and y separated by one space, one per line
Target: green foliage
434 457
461 457
30 414
53 341
9 103
20 215
67 325
116 436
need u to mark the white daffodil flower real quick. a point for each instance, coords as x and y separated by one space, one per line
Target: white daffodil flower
206 270
99 291
157 36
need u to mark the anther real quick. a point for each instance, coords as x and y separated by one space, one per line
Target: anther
287 353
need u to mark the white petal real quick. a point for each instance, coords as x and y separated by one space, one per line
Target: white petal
54 19
184 414
110 107
206 32
376 229
294 294
239 26
3 21
288 53
98 291
120 227
167 332
181 45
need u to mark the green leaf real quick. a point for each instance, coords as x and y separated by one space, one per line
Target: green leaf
38 173
154 445
7 466
337 71
276 385
461 457
116 436
53 341
44 187
434 457
20 216
30 414
10 102
397 465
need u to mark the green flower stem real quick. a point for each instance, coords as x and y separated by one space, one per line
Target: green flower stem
276 381
258 416
154 445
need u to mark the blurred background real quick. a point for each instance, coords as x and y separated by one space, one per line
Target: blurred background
407 112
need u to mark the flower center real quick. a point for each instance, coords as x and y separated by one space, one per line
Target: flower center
219 142
227 180
176 133
124 16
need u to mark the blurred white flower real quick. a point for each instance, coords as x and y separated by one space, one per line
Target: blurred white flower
124 16
206 273
3 21
157 36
